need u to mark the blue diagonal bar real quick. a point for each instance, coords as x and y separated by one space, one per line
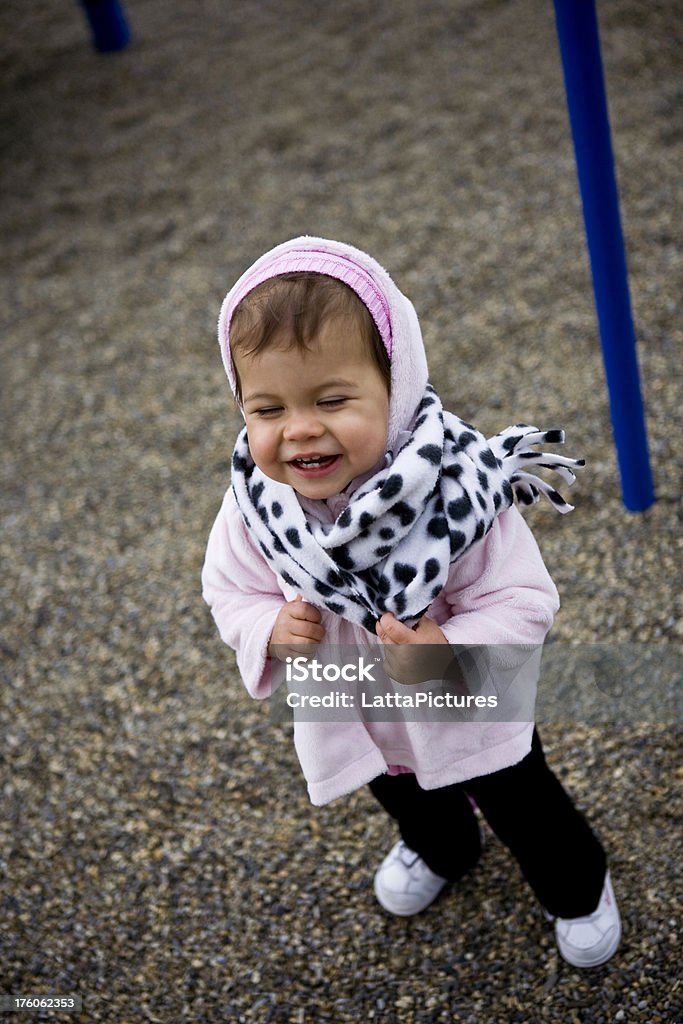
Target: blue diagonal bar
577 29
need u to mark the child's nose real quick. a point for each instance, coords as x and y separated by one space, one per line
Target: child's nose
301 425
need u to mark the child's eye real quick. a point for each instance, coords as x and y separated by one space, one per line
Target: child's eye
270 410
331 403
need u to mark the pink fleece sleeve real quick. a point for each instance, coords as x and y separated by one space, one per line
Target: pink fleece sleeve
500 592
243 595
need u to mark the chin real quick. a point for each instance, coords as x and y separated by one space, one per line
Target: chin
316 495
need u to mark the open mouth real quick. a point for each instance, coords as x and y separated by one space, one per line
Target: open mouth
315 465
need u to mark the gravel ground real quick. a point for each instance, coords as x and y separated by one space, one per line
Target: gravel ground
158 852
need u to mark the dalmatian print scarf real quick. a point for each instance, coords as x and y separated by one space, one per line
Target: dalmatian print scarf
391 548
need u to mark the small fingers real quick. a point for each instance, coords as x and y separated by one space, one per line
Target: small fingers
303 611
391 631
382 633
307 632
297 640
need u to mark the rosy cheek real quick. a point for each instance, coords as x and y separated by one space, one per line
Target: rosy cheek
255 441
263 445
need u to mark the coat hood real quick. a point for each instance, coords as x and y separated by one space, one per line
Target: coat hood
391 311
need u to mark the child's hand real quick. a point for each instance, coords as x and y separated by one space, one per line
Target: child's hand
405 658
297 628
391 631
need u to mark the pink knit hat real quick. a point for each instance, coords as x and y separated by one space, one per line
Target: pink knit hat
313 259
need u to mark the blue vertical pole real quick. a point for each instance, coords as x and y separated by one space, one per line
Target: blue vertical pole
108 24
577 29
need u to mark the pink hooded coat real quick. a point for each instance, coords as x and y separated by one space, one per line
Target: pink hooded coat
497 592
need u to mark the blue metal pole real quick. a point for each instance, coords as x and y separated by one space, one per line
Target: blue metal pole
577 29
108 24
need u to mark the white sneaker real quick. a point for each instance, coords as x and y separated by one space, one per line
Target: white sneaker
404 885
590 941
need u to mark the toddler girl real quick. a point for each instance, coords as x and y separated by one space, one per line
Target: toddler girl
360 512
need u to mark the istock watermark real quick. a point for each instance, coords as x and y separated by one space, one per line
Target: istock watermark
304 670
558 682
416 683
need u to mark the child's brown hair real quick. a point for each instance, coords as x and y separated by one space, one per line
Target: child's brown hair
295 305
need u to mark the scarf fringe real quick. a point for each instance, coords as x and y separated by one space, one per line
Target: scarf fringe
512 449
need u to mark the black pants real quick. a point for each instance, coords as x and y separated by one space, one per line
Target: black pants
529 811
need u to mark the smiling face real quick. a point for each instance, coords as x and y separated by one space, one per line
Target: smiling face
316 417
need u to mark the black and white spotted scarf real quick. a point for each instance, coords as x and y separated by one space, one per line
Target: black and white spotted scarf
391 547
